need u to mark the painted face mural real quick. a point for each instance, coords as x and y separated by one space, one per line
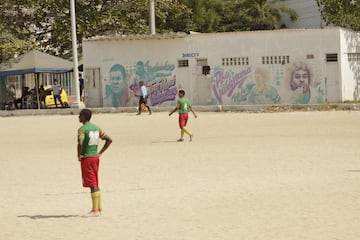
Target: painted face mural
122 88
262 77
116 89
300 84
159 80
300 79
262 92
117 81
140 74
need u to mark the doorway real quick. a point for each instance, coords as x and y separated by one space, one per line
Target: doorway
332 83
93 88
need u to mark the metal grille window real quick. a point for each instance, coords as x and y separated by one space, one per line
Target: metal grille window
235 61
275 60
331 57
183 63
354 57
201 62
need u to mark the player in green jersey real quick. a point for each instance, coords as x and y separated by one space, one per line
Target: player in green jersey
183 106
88 155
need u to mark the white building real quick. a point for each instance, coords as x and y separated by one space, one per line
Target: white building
263 67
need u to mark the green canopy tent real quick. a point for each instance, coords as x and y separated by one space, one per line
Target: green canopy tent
34 62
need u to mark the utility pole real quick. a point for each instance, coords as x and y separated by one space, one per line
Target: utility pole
152 17
77 103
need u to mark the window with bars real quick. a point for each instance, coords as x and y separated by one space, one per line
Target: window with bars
354 57
331 57
266 60
183 63
235 61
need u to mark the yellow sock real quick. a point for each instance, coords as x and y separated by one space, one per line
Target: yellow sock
187 131
100 203
95 197
182 133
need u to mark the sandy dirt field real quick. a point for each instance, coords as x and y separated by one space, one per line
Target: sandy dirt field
268 176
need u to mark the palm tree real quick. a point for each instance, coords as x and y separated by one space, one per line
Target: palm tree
266 14
205 14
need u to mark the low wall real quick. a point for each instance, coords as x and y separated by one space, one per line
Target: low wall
213 108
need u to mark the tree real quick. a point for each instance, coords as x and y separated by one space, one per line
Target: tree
237 15
172 16
45 24
101 17
11 46
256 14
16 30
343 13
205 15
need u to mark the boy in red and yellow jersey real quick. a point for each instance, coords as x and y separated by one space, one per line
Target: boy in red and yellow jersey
88 155
183 106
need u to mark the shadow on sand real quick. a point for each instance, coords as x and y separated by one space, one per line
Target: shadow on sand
164 141
39 216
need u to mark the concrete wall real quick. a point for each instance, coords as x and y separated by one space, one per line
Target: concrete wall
152 61
263 67
350 68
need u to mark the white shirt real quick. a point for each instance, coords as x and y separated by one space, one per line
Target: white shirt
56 89
143 91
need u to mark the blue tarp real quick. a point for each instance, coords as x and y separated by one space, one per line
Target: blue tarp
34 70
35 62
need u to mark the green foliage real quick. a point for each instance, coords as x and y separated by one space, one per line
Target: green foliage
46 24
16 36
343 13
11 45
205 15
100 17
172 16
255 15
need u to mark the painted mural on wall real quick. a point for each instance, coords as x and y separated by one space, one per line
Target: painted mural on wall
227 82
297 83
304 84
122 86
162 90
116 88
261 91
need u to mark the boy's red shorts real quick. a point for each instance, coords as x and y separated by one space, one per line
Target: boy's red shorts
183 118
89 171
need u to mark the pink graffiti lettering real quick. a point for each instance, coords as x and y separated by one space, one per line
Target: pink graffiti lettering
225 82
162 90
135 88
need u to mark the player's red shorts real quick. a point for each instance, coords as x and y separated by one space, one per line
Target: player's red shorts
183 118
89 171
